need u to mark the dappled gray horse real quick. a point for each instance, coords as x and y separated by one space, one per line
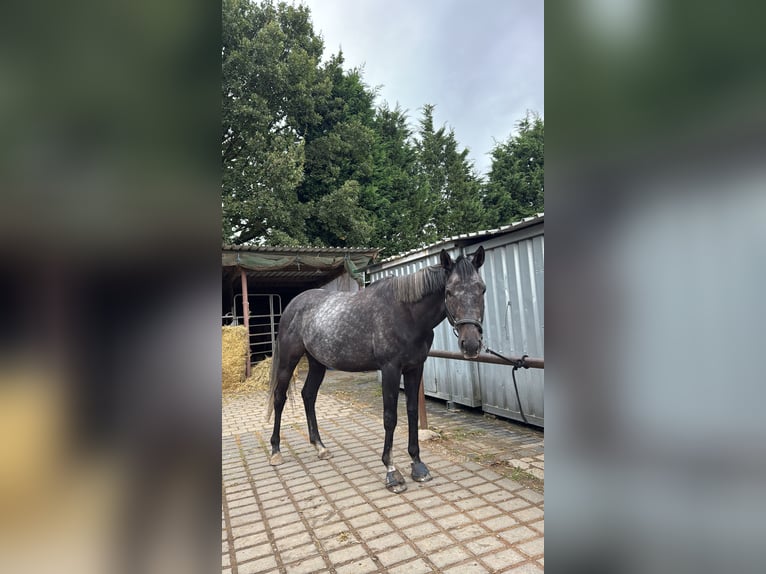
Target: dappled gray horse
387 326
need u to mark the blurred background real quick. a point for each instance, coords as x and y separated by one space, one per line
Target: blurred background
109 286
657 243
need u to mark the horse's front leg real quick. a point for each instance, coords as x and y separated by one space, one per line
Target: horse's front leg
412 381
391 376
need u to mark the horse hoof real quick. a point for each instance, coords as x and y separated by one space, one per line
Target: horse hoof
397 488
420 472
395 482
276 459
324 453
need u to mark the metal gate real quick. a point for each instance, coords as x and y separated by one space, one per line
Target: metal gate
265 313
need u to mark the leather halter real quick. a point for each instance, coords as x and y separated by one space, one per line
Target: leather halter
457 322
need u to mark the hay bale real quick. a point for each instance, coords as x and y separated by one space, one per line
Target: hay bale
234 350
260 376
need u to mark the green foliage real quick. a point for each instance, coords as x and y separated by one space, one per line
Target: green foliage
269 86
308 158
448 181
516 180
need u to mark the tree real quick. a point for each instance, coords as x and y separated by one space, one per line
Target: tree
339 159
515 188
270 84
397 203
448 182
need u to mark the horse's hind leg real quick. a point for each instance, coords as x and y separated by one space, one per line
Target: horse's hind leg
309 393
285 362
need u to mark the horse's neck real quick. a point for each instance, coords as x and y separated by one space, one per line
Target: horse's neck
431 310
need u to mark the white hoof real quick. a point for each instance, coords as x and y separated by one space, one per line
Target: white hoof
276 459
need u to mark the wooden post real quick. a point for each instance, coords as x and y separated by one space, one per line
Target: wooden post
422 415
246 313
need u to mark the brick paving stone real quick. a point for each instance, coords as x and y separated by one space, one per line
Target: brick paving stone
299 539
467 568
471 503
298 553
385 542
288 530
245 519
448 556
484 488
438 511
499 523
531 496
364 520
419 530
417 566
374 530
308 566
484 544
518 534
363 566
453 520
513 504
539 526
468 532
528 514
265 564
528 568
251 540
434 542
503 559
535 547
395 555
408 519
484 512
253 552
500 495
399 510
347 553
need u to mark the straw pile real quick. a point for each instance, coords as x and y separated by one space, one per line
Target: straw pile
260 375
234 343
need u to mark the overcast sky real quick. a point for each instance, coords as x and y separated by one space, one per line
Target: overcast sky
480 63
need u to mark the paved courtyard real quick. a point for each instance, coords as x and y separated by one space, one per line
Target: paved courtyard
310 515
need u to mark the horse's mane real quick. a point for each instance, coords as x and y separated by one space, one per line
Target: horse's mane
413 287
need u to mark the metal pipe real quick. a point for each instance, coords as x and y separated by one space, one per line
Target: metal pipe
246 313
531 362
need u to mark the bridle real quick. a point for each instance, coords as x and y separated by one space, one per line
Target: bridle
457 322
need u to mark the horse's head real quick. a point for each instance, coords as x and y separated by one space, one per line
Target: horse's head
464 299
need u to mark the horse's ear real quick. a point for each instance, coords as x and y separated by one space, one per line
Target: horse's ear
478 257
446 260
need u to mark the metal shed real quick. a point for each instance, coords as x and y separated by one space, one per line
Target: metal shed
259 281
514 321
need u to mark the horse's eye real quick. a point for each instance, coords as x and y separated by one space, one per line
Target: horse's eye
449 293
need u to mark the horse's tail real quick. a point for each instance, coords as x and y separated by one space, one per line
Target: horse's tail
273 380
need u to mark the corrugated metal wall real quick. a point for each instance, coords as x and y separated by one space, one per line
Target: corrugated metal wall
514 324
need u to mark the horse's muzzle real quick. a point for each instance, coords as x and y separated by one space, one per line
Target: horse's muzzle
470 348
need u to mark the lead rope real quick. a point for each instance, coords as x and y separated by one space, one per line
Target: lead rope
516 365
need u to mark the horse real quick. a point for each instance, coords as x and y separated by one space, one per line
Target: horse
388 326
